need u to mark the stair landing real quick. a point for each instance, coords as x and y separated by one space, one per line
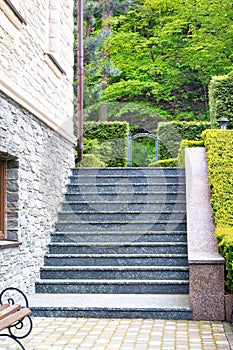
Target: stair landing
159 306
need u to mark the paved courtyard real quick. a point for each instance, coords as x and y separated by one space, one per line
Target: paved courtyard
124 334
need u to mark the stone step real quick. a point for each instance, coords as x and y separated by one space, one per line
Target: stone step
118 248
146 306
144 205
114 286
114 178
161 197
141 226
115 272
100 217
123 188
116 259
141 171
126 236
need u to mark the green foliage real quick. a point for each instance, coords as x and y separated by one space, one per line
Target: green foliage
143 151
99 68
167 52
219 150
224 235
90 161
108 141
186 144
127 90
220 97
171 134
140 114
165 163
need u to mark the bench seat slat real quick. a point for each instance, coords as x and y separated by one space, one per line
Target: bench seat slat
4 306
16 316
9 310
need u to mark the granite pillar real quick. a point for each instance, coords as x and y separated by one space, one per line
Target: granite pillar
206 264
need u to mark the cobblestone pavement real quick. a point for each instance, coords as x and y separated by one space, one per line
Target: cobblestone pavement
123 334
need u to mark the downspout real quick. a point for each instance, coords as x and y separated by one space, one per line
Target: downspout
80 68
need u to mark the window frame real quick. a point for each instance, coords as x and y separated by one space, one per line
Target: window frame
12 14
2 198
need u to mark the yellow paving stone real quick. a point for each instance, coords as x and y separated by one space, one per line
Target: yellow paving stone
107 334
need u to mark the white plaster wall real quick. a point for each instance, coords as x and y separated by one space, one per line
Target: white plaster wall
25 76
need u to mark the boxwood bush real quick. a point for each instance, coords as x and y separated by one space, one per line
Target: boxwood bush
91 161
166 163
219 150
171 134
184 144
108 141
220 99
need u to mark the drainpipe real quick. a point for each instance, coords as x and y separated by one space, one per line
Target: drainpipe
80 72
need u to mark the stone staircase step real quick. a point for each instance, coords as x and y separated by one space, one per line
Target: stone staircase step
164 197
123 225
116 259
118 248
115 272
145 205
120 233
124 188
146 306
114 286
71 216
142 171
127 177
126 236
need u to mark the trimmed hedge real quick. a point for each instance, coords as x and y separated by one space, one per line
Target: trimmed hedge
171 134
220 99
184 144
91 161
219 150
166 163
108 141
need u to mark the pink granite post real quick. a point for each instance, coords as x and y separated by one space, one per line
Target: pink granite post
205 263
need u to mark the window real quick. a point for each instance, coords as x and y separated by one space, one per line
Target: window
11 12
52 54
2 199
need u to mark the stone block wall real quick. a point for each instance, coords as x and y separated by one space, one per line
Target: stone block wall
38 162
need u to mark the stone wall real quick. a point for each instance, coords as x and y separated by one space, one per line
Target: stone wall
38 163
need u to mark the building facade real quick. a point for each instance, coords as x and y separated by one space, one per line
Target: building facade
36 130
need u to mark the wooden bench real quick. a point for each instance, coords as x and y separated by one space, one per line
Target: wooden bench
15 316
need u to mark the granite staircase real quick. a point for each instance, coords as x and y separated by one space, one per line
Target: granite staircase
119 248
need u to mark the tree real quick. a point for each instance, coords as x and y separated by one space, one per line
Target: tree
98 27
167 52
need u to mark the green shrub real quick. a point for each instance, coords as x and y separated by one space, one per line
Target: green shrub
224 235
171 134
108 141
91 161
220 99
165 163
184 144
140 114
219 150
